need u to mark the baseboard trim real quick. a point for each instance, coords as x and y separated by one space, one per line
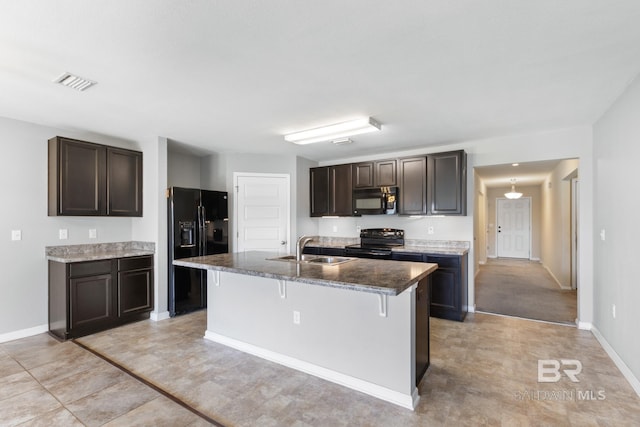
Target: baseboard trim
586 326
555 278
383 393
23 333
624 369
536 259
157 316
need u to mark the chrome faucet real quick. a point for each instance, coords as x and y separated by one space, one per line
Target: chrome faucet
303 240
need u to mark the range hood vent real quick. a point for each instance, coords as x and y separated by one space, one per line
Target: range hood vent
74 82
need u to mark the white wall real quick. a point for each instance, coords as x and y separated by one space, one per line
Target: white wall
617 150
305 225
556 222
183 170
23 173
549 145
152 227
217 173
480 223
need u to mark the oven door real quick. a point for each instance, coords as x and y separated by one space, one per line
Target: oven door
368 253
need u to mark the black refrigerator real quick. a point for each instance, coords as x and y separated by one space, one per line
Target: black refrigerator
198 225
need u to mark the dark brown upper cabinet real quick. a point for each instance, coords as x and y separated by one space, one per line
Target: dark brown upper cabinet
340 196
385 173
319 189
447 183
124 182
87 179
363 175
380 173
413 186
330 188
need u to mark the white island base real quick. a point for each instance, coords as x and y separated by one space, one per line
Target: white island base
361 340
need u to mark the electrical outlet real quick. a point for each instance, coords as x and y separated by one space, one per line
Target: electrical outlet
358 228
613 310
92 233
296 317
63 234
430 230
16 235
335 228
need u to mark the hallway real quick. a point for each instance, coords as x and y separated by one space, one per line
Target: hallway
523 288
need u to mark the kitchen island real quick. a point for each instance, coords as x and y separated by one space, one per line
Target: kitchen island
352 323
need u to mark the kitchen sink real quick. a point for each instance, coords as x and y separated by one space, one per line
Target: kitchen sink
331 260
314 259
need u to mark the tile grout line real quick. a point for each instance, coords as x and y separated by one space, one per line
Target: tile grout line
45 388
149 384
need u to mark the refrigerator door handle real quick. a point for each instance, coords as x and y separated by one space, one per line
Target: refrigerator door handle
203 231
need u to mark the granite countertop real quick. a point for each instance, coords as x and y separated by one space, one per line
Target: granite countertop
98 251
436 247
365 275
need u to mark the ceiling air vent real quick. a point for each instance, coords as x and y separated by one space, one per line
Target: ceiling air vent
342 141
74 82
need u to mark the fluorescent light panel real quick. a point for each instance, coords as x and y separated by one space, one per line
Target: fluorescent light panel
335 131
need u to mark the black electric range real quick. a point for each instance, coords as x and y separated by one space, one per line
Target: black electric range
376 243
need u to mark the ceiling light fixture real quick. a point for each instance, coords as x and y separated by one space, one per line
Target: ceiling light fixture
74 82
513 194
334 132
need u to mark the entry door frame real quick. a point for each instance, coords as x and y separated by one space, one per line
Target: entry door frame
236 177
497 222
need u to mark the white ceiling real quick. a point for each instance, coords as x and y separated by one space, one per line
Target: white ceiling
234 76
529 173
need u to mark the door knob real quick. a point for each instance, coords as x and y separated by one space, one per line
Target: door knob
283 242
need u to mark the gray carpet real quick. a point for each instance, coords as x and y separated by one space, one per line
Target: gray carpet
525 289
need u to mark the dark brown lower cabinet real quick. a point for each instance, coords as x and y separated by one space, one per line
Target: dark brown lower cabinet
92 296
422 328
449 298
135 286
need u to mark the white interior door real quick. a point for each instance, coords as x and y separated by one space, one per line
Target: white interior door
514 227
262 212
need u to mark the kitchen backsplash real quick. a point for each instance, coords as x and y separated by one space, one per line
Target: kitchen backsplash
420 228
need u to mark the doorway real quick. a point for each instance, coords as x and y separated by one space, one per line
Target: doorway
262 205
530 263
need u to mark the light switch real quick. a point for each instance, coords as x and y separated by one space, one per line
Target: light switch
602 234
16 235
92 233
63 234
430 230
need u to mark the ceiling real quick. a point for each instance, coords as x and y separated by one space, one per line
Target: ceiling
529 173
234 76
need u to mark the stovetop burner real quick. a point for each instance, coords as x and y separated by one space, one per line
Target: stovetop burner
377 243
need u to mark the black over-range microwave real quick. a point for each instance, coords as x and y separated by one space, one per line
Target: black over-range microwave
375 201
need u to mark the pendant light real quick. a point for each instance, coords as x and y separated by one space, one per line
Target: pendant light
513 194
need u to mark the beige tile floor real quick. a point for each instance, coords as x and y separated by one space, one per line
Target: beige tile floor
483 372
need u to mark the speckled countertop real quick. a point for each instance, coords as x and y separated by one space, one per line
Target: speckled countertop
98 251
365 275
436 247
